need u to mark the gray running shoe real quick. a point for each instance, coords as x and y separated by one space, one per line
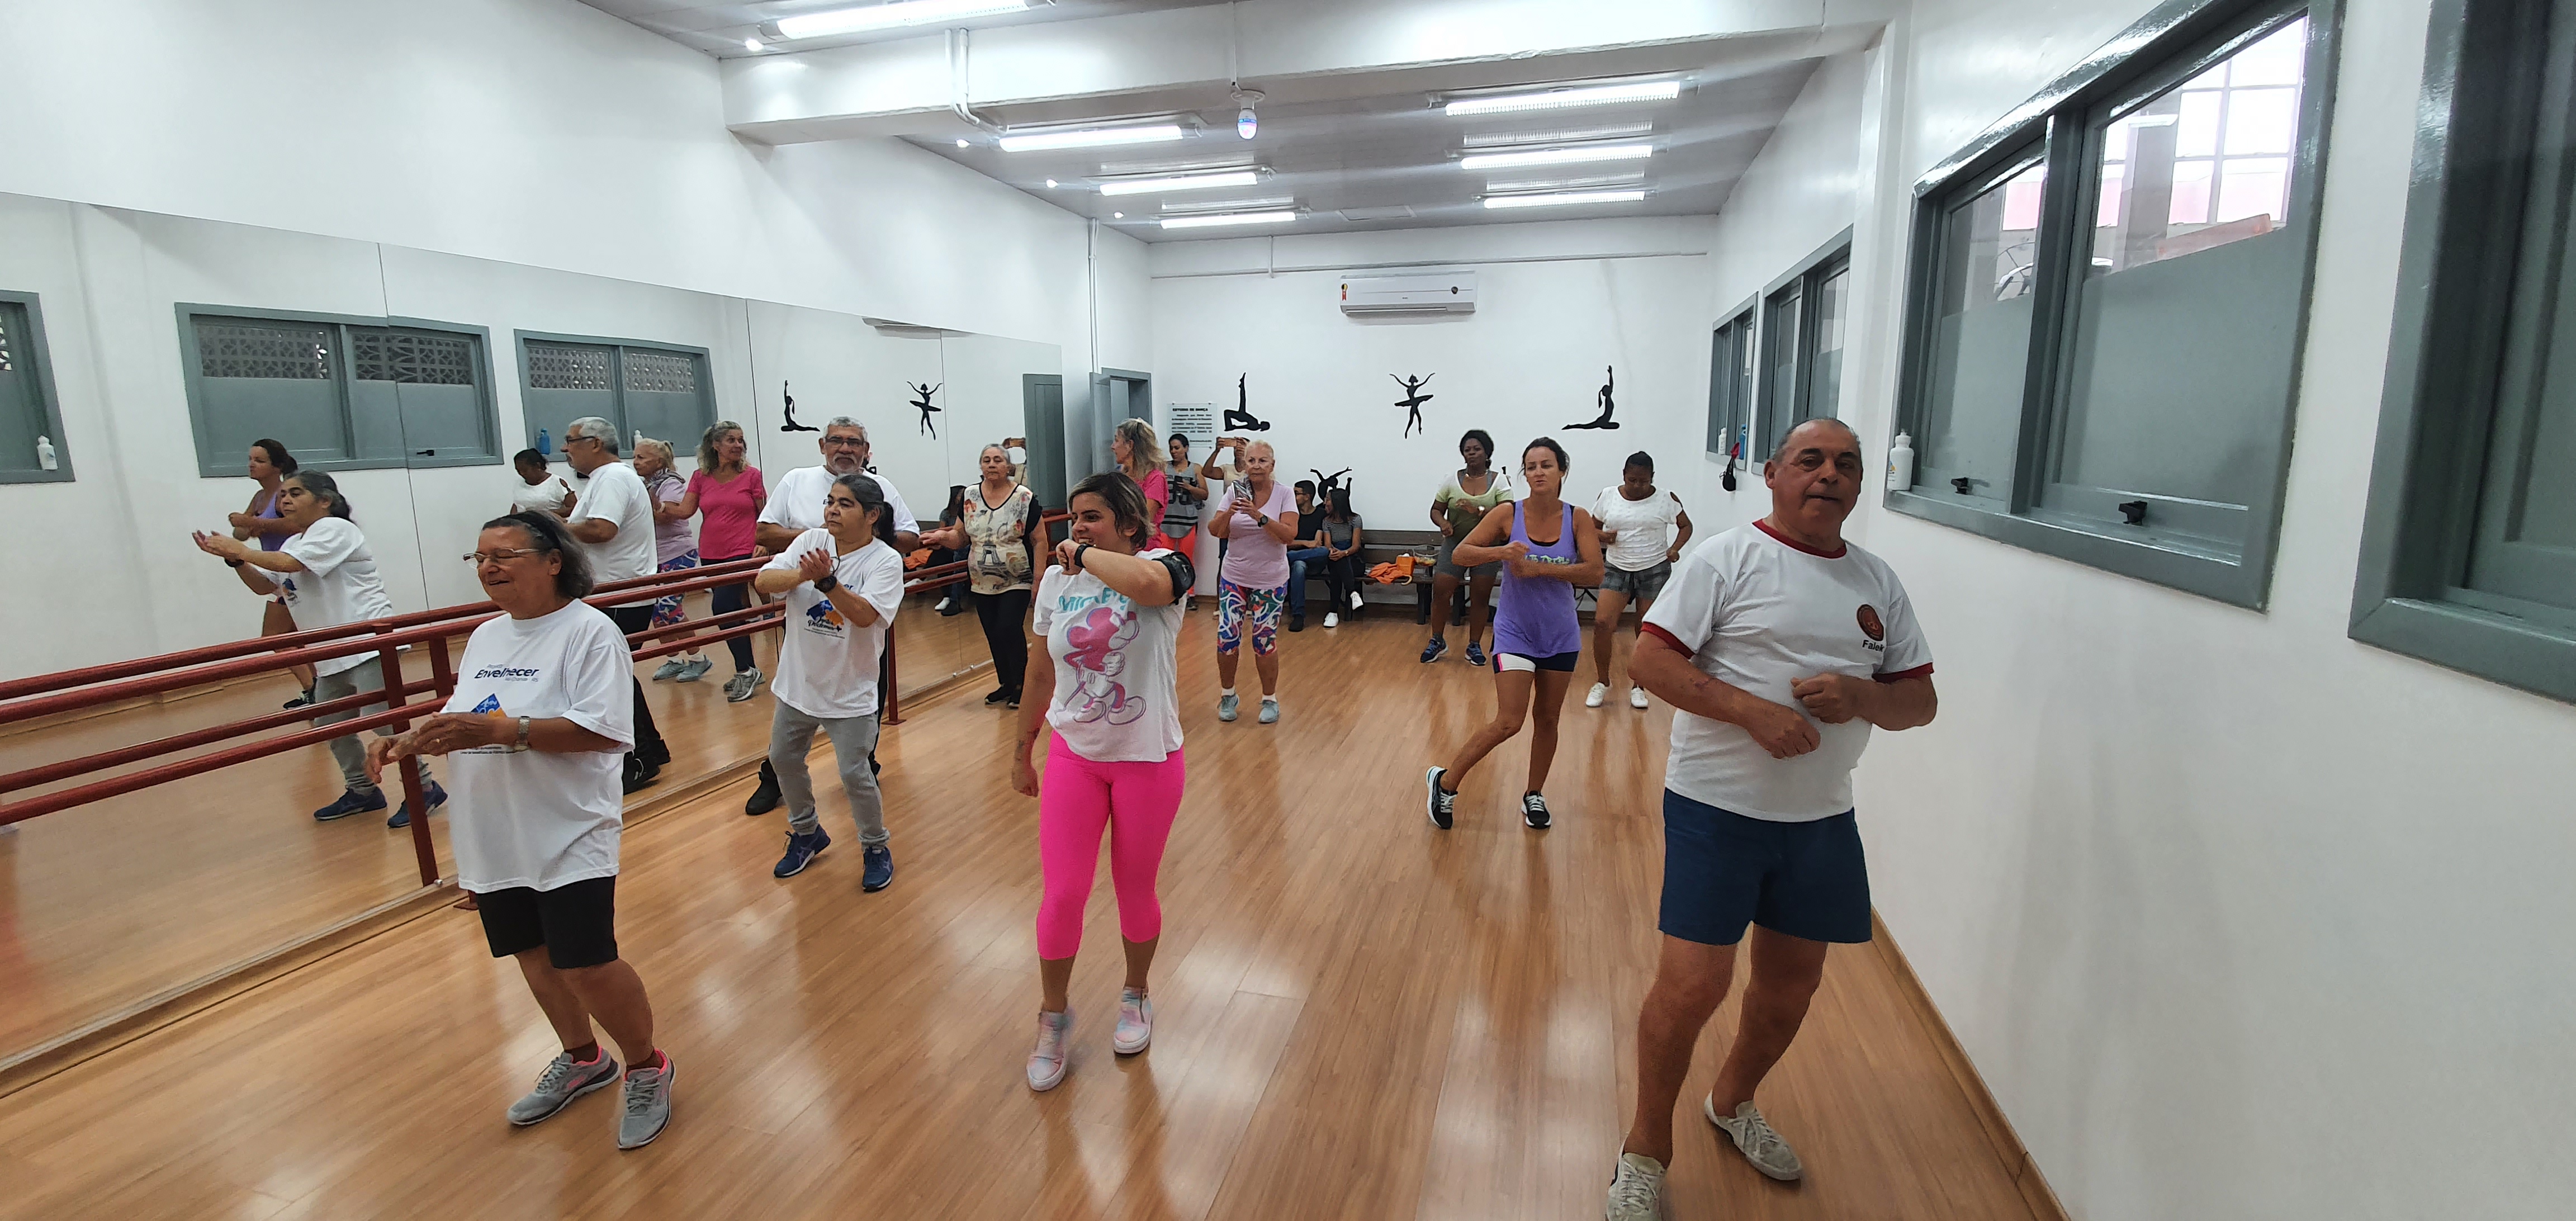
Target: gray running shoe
648 1104
1226 706
1269 712
1636 1190
562 1082
1755 1138
669 669
740 686
697 669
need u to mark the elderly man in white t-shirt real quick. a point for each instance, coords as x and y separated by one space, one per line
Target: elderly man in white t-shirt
1780 646
612 519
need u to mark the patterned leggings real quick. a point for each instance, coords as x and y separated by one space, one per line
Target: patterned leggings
1235 603
666 611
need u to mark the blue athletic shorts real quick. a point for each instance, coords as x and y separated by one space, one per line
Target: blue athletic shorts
1723 871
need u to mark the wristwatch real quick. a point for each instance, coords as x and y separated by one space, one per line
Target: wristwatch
826 583
1082 558
524 723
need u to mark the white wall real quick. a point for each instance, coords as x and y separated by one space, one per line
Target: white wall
535 132
2237 917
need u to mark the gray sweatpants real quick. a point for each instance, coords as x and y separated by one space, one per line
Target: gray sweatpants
347 751
791 733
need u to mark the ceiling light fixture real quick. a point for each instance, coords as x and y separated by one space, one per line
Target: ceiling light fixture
1579 135
1561 198
1181 182
1576 155
1050 184
888 16
1587 182
1246 123
1090 137
1565 98
1228 218
963 144
754 44
1117 216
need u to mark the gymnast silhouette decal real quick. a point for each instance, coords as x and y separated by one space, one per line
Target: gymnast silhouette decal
791 425
1324 484
1413 399
1603 400
1240 415
925 390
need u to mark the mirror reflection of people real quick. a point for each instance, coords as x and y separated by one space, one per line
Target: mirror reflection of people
1546 548
843 583
999 533
1132 445
1189 493
1639 525
1258 515
534 735
726 494
1106 608
1460 503
268 465
613 522
540 489
328 577
675 549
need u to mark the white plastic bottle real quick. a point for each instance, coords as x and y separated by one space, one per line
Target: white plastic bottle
45 454
1900 464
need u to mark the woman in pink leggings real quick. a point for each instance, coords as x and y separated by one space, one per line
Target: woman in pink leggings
1109 610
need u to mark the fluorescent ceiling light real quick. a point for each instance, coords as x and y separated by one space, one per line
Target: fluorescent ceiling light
1580 135
887 16
1560 198
1557 156
1268 203
1561 99
1180 182
1090 137
1585 183
754 44
1228 218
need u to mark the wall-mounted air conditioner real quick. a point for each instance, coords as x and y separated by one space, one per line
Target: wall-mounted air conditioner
1444 292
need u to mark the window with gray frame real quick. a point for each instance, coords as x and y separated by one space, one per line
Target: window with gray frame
2469 547
1730 385
1805 316
32 449
646 389
2107 301
342 393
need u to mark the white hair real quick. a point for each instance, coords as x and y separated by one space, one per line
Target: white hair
1263 446
596 429
842 421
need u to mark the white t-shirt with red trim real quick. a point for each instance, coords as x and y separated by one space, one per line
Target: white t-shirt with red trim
1758 612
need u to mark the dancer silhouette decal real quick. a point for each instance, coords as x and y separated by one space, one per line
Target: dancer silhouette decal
925 390
1413 399
791 425
1602 399
1324 484
1240 415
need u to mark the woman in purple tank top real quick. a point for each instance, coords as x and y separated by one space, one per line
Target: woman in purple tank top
1547 548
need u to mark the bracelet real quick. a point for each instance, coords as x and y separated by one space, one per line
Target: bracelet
524 724
826 583
230 563
1081 558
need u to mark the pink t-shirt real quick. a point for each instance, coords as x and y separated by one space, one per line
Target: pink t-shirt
1254 560
726 513
1158 496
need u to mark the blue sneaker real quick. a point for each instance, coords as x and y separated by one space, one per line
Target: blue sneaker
877 869
1226 707
1431 652
1475 655
351 802
435 798
801 851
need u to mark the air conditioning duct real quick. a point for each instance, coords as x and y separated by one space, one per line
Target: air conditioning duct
1443 292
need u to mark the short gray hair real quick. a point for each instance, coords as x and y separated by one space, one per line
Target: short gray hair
842 421
596 429
1781 450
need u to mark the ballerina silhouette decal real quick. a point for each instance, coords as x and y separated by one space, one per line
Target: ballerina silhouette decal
925 390
1603 400
1240 415
791 425
1413 399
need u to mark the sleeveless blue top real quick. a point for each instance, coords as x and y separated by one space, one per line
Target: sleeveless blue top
1534 616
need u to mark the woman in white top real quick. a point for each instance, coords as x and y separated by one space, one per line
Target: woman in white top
1639 544
1109 611
535 734
843 583
328 579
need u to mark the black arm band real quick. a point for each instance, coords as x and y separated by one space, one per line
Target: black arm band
1184 577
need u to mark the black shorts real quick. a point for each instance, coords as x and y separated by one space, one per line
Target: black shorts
1562 663
1723 870
576 922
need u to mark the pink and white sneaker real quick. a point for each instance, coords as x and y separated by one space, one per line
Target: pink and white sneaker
1047 1062
1135 1022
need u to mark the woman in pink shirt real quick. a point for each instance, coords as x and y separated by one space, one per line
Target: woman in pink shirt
1135 449
726 495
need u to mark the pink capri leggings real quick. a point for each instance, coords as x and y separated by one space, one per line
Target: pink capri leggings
1076 799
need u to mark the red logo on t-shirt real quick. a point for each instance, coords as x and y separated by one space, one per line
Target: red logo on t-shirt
1869 622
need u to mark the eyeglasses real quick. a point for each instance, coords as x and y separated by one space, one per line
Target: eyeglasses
569 442
850 442
504 555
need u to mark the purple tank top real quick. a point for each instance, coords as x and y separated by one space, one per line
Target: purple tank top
1534 616
271 542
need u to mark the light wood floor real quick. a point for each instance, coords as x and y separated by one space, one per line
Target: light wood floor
1357 1015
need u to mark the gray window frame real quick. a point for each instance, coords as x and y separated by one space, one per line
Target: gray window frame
1731 381
1798 396
2168 45
617 388
2459 252
40 362
222 465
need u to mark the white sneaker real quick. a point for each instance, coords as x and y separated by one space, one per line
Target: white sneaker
1598 693
1355 599
1755 1139
1332 619
1135 1022
1636 1190
1046 1063
1636 697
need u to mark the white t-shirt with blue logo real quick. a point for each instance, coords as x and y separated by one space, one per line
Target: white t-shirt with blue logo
338 586
827 668
1113 667
538 819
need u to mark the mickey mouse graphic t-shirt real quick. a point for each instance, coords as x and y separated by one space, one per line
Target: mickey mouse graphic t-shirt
827 667
1113 667
540 819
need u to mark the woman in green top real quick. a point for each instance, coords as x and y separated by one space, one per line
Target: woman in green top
1460 504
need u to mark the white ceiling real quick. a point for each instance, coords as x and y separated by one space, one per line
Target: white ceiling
719 29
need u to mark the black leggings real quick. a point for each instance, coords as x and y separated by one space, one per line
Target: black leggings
648 740
732 598
1341 576
1002 614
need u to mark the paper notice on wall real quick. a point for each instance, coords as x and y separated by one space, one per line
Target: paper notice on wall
1197 421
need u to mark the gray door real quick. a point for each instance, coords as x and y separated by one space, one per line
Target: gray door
1042 410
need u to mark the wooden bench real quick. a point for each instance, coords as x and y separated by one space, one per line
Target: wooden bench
1383 546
